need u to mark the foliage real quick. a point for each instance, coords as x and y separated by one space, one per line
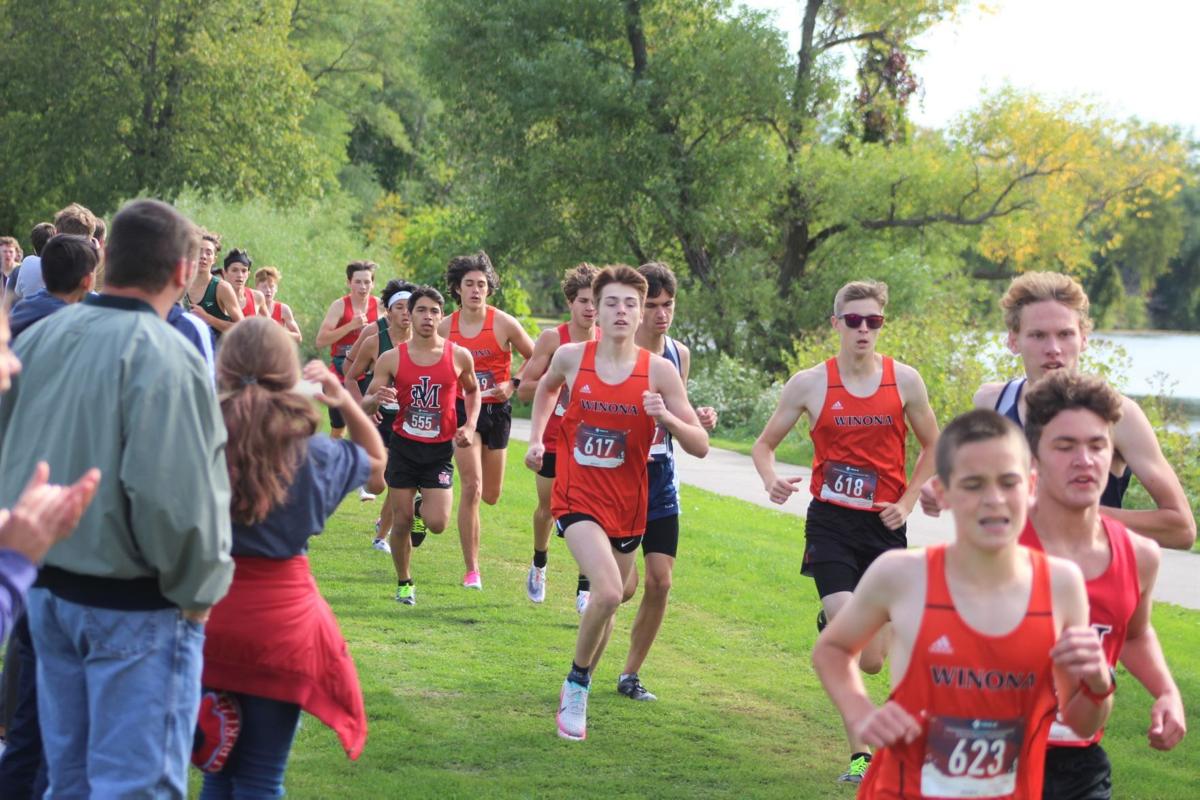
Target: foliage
744 397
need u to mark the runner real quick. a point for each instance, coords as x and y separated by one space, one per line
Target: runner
1069 423
208 296
237 272
661 540
266 281
986 634
346 317
618 392
577 288
424 377
857 404
491 335
393 329
1046 314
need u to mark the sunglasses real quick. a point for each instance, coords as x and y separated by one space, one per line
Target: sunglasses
874 321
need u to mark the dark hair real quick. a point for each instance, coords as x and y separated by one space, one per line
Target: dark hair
659 278
1063 391
75 219
394 287
459 266
622 274
101 229
240 257
425 291
66 259
41 233
148 239
268 424
359 266
979 425
578 277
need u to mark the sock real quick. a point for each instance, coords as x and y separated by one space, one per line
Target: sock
405 582
867 756
539 559
584 584
579 675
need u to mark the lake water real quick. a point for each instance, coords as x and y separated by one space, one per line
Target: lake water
1160 361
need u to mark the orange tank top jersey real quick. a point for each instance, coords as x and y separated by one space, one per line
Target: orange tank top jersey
248 307
550 437
604 443
493 364
1112 598
342 346
858 443
985 702
426 397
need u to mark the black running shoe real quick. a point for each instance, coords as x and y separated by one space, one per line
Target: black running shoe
418 524
631 687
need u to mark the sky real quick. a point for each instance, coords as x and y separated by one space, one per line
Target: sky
1134 59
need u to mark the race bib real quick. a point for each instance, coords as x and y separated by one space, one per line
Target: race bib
599 447
660 446
485 379
974 758
564 397
848 485
422 423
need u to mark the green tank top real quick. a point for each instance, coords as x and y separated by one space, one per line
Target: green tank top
385 338
209 301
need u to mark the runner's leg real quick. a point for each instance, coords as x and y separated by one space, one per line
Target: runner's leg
608 570
468 460
650 613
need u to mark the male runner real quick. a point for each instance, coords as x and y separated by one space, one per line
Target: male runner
393 329
618 392
237 272
1046 314
266 281
491 335
423 376
857 404
208 296
661 540
1069 422
577 288
986 634
345 318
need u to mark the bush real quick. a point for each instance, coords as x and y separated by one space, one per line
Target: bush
744 396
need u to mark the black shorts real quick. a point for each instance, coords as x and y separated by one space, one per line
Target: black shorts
494 425
662 536
622 544
549 462
385 426
840 543
417 465
1077 773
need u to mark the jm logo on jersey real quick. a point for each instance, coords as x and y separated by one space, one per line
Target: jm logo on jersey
425 395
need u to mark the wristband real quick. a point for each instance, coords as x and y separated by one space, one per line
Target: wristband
516 382
1100 697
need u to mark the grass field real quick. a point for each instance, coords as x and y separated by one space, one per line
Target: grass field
461 689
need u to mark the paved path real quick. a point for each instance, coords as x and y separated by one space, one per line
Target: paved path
732 474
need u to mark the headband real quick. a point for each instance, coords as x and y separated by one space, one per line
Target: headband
396 298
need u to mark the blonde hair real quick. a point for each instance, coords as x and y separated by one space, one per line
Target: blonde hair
265 273
860 290
1036 287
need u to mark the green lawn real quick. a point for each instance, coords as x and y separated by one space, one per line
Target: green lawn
461 689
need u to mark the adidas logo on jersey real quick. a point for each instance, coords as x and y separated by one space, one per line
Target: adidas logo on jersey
837 405
942 645
587 389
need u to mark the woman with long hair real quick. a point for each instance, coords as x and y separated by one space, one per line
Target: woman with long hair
273 645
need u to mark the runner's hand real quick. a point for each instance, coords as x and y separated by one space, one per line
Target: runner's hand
929 503
708 417
888 725
1167 724
1079 653
654 405
464 436
385 394
501 391
783 488
894 515
533 456
362 320
333 393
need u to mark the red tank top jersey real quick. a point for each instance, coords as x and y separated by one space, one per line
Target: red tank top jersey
858 443
248 307
493 364
550 437
985 702
426 397
604 444
342 346
277 312
1112 598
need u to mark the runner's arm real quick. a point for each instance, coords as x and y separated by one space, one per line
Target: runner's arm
706 414
289 323
358 426
382 388
360 364
472 399
330 331
364 334
543 349
260 302
923 423
1171 524
564 361
517 338
1078 656
787 414
668 403
227 302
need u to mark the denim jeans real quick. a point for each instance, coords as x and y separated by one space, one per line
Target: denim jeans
256 765
118 693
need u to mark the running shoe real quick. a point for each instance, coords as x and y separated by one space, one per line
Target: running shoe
572 711
406 594
364 495
822 620
581 601
382 546
419 530
857 769
631 687
535 584
472 580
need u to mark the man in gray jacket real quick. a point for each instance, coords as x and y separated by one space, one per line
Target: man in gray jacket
117 612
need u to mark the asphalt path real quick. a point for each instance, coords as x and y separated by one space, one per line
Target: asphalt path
733 475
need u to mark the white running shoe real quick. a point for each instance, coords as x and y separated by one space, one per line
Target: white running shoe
382 546
581 601
572 711
535 584
364 495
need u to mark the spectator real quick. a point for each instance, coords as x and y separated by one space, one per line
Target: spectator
73 219
69 268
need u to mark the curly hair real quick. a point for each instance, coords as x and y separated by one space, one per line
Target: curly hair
459 266
578 277
1065 391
